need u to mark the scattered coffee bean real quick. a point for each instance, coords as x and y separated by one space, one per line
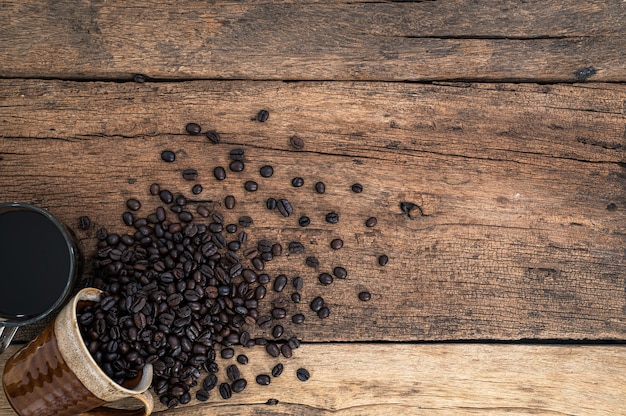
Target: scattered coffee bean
202 395
280 283
293 343
270 203
296 247
237 154
262 116
323 313
340 272
229 202
227 353
263 379
213 136
139 78
190 174
219 173
295 297
225 391
251 186
84 222
245 221
317 303
297 318
357 188
166 196
297 182
277 370
336 244
325 278
232 372
196 189
303 374
365 296
296 142
370 222
304 221
272 402
312 261
332 217
133 204
239 385
298 283
320 188
285 350
277 331
236 166
168 156
242 359
272 349
266 171
155 188
284 207
193 128
383 260
203 211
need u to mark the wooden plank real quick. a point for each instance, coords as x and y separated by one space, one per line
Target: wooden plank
329 40
521 188
440 379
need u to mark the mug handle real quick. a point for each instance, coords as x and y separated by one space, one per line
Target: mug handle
6 335
145 397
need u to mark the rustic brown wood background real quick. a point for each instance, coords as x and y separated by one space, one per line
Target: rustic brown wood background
504 121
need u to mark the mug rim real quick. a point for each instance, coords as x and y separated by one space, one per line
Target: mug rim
71 278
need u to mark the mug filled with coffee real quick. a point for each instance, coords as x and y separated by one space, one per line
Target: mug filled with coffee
39 267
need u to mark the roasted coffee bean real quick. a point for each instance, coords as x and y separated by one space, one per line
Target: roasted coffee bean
209 382
231 228
262 116
303 374
304 221
245 221
277 331
296 247
139 78
323 313
84 222
196 189
237 154
270 203
236 166
340 272
264 321
312 261
357 188
286 351
284 207
296 142
266 171
320 188
297 182
332 217
133 204
297 318
168 156
370 222
155 188
232 372
272 402
264 246
251 186
166 196
239 385
336 244
219 173
227 353
317 303
258 263
190 174
202 395
325 278
263 278
298 283
225 391
295 297
193 128
277 370
263 379
213 136
185 216
229 202
280 283
242 359
293 343
383 260
279 313
203 211
273 350
365 296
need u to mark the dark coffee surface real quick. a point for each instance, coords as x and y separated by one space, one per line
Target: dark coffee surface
35 264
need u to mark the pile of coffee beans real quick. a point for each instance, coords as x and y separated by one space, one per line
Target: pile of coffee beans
179 288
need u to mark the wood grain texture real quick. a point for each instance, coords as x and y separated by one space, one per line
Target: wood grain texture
440 379
520 189
320 40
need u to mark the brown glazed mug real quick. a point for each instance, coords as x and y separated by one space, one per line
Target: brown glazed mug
55 374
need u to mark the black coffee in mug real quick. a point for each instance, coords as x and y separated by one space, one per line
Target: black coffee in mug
37 261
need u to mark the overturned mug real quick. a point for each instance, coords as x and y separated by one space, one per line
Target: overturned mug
39 267
56 375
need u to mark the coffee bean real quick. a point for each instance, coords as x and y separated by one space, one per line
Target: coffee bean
365 296
286 351
209 382
263 115
203 211
236 166
202 395
237 154
168 156
332 217
297 182
304 221
213 136
166 196
340 272
245 221
190 174
272 349
295 297
280 283
296 247
84 222
266 171
277 249
277 370
232 372
293 343
239 385
139 78
155 189
264 279
225 391
357 188
277 331
279 313
320 188
133 204
264 321
323 313
303 374
251 186
242 359
370 222
336 244
284 207
298 283
317 303
185 216
193 128
231 228
296 142
297 318
263 379
227 353
312 261
270 203
219 173
196 189
325 279
383 260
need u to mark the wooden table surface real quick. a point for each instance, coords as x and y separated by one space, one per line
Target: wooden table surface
503 123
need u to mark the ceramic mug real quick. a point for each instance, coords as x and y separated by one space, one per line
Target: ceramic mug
56 375
39 264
